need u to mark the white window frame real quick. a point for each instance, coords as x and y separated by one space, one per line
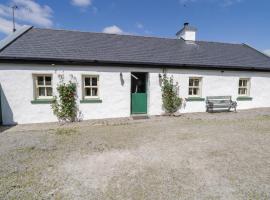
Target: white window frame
84 87
36 86
247 87
199 87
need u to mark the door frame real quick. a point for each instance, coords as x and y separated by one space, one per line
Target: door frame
146 92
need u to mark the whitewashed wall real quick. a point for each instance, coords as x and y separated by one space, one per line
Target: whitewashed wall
17 93
214 83
17 90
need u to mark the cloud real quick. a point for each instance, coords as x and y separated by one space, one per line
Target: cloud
81 3
224 3
28 11
267 52
113 30
6 26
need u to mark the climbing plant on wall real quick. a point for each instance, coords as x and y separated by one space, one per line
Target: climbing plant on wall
171 100
64 105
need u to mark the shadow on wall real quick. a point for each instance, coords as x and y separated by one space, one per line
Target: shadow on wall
7 114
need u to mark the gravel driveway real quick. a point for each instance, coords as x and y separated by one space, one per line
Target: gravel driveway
195 156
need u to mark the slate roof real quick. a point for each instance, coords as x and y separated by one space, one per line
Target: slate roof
61 45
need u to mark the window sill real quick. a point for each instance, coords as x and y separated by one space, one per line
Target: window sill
91 101
42 101
244 98
195 99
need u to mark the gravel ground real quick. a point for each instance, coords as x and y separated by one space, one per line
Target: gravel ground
194 156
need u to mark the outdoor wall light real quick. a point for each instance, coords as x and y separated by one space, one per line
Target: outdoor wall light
159 76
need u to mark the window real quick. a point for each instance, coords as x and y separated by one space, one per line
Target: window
244 85
90 86
43 86
194 88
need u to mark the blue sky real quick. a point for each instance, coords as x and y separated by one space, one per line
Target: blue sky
236 21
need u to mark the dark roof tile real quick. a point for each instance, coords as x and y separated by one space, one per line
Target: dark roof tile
85 46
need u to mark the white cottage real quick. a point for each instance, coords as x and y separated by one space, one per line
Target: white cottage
109 67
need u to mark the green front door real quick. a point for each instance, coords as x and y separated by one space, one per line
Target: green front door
138 93
139 103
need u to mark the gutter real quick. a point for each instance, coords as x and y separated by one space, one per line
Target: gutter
88 63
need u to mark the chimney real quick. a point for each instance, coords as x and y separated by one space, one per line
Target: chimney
187 33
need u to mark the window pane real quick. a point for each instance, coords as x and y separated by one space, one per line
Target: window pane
88 92
49 91
94 81
41 91
48 80
94 91
196 82
40 80
87 81
195 91
242 91
190 82
190 91
244 83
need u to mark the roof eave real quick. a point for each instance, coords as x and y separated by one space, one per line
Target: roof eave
52 61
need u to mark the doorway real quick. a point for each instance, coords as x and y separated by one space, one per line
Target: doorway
138 93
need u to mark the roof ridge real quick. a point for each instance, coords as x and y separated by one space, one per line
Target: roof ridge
127 35
219 42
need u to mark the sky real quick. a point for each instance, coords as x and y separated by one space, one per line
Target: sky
234 21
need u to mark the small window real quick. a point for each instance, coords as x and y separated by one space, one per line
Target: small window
43 86
90 86
194 88
244 85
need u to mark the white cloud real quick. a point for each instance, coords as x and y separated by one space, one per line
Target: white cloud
267 52
6 26
28 11
81 3
220 2
113 30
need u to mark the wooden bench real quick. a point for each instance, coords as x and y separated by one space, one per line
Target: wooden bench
220 102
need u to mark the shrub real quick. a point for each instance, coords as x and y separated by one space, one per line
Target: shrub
64 106
171 100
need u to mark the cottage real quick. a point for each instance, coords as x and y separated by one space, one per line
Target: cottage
119 75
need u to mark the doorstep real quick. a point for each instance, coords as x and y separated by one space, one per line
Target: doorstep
139 116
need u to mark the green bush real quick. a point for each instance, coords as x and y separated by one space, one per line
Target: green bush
64 106
171 100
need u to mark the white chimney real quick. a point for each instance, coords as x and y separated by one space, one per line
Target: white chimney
187 33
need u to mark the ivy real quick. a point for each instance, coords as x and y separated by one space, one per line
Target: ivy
171 100
64 106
